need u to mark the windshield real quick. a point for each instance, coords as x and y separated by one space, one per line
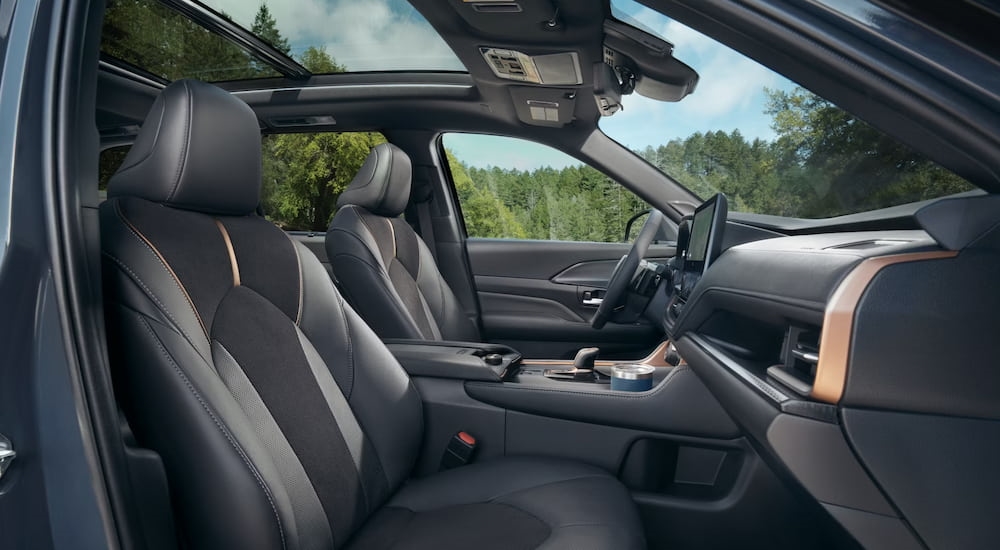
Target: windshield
771 146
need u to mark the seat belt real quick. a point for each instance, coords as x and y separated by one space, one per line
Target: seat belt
422 195
427 227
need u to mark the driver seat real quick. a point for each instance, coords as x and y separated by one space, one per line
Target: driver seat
382 267
281 420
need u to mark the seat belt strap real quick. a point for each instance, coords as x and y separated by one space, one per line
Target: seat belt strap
427 226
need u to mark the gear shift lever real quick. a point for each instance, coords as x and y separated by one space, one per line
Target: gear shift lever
585 359
583 367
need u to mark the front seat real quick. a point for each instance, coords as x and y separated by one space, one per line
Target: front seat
281 419
384 269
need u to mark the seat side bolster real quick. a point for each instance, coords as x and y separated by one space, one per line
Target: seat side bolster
173 395
368 287
378 390
451 319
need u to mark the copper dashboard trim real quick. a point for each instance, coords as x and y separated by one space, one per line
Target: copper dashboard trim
838 322
655 359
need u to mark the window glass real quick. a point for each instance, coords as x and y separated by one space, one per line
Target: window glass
165 43
771 146
326 37
303 174
516 189
108 164
373 35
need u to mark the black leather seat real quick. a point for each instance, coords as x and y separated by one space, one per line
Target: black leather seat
282 420
384 269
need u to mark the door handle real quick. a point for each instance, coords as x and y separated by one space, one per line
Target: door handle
592 298
7 455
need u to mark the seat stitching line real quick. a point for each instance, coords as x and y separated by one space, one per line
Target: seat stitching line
302 290
218 423
392 231
533 487
387 289
372 233
350 343
163 261
187 141
148 292
388 180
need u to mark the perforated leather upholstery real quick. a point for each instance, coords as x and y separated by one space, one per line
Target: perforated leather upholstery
281 418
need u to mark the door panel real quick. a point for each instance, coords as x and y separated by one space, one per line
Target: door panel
531 294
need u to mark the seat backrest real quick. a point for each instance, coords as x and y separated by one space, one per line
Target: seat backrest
282 420
384 269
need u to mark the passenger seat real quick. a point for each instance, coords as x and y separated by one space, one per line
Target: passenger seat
282 420
382 266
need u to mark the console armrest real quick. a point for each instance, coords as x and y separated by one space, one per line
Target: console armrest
457 360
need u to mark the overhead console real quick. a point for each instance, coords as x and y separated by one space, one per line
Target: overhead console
554 47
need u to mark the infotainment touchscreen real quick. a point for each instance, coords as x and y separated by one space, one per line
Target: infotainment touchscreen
705 242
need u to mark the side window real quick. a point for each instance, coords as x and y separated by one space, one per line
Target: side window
108 163
511 188
303 174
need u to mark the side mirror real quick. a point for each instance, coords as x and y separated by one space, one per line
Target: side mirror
627 238
667 232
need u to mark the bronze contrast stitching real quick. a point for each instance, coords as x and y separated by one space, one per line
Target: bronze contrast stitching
166 265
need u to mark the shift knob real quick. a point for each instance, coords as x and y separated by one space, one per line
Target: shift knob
585 358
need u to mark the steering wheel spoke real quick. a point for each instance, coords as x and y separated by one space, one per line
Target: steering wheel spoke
621 277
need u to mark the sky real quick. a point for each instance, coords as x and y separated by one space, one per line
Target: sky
391 35
369 35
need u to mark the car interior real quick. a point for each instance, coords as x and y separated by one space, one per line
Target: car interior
402 358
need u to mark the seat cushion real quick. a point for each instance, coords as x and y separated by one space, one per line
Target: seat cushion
507 504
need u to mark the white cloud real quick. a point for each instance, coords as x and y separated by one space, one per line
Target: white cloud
729 80
729 94
374 35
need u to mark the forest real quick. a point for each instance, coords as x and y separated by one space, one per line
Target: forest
822 162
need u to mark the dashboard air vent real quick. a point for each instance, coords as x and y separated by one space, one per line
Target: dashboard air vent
800 356
875 243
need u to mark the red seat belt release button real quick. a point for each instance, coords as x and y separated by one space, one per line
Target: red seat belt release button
459 452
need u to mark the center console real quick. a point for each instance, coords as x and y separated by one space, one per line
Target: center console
480 362
458 360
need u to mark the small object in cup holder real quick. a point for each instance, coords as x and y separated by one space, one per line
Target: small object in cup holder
632 377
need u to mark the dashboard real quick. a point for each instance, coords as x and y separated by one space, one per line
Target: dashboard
852 359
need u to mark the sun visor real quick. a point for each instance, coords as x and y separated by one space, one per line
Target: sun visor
648 62
544 106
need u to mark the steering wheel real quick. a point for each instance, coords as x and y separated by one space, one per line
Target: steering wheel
621 278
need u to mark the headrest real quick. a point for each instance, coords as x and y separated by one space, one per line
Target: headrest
199 149
382 186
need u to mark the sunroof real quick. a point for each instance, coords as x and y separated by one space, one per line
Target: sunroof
163 42
325 36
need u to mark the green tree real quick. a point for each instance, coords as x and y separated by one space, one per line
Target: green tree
264 26
485 214
304 173
164 42
849 165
